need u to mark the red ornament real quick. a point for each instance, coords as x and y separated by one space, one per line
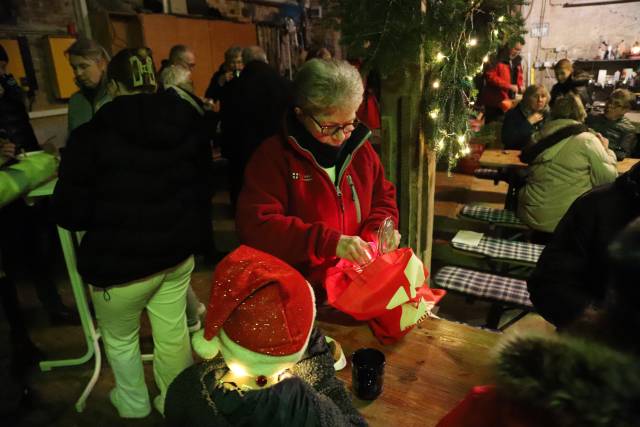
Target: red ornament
261 381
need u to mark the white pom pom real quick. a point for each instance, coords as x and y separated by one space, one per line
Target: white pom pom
203 347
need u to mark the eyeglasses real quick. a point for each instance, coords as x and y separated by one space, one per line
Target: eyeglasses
332 130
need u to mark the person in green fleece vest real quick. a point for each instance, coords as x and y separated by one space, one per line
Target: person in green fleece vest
89 63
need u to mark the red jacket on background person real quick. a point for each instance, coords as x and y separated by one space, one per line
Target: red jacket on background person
498 84
290 208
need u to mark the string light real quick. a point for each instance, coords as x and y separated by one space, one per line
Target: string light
461 139
436 84
434 113
485 59
501 18
440 57
473 42
440 144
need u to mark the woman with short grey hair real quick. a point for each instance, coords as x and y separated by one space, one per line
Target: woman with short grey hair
327 85
317 192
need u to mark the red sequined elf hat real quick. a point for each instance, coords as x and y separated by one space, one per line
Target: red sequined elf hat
260 314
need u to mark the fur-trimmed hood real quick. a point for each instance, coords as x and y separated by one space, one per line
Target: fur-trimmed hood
578 382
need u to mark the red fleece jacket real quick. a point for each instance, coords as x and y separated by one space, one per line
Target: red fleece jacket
289 207
498 84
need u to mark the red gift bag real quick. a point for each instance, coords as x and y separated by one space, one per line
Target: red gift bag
390 293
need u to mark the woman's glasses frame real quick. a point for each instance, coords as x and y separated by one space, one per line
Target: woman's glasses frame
332 130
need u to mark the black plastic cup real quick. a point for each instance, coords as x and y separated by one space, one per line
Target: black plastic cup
367 373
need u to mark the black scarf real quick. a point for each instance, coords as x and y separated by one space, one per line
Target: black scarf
326 155
530 152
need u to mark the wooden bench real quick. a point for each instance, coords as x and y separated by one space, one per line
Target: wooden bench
503 292
492 216
503 251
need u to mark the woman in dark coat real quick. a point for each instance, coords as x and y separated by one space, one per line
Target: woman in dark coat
135 178
526 118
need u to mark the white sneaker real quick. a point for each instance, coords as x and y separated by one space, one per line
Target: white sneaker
340 361
126 410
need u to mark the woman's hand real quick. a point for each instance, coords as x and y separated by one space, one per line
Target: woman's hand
354 249
604 141
7 148
535 118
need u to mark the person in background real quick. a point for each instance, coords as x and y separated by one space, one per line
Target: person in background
177 81
588 378
135 178
253 109
316 192
570 277
526 118
89 63
569 83
227 71
24 230
273 368
319 52
565 161
15 127
503 80
179 56
614 126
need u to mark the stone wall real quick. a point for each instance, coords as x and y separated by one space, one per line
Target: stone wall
576 32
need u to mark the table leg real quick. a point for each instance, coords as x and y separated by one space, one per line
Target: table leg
92 336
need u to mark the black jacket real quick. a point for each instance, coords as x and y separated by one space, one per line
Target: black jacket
516 129
576 86
253 109
571 273
313 397
136 179
14 119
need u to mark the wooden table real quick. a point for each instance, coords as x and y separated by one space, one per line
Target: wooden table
495 158
427 373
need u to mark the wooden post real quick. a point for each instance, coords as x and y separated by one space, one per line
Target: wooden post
409 162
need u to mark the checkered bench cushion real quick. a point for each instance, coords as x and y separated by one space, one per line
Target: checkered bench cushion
505 250
483 285
491 215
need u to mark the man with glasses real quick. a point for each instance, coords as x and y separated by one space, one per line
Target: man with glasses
614 126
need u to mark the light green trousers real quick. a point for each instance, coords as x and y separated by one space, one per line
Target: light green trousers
118 310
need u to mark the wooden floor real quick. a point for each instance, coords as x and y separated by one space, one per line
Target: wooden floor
56 391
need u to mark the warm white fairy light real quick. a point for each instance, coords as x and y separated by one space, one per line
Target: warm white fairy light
238 370
501 19
436 84
485 59
473 42
440 57
440 144
461 139
434 113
